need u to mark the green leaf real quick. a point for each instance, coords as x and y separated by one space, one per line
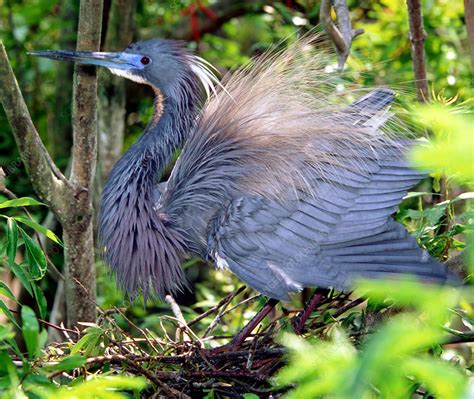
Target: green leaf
439 377
6 311
451 150
106 387
37 381
34 256
21 275
30 330
69 363
5 291
19 202
39 228
6 332
12 240
90 342
5 363
7 340
40 300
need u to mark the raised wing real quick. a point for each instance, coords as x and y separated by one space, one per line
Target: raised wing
289 196
328 241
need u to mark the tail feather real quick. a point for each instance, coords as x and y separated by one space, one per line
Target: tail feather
391 254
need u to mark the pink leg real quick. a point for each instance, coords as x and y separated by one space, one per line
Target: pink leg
243 334
318 297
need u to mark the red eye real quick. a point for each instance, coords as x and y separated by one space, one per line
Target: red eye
145 60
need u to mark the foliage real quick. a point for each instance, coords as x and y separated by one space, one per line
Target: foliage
402 357
450 151
33 372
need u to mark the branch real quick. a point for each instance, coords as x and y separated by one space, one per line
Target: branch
469 14
342 35
417 39
46 178
223 10
85 97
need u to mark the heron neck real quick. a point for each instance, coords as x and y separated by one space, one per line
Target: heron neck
167 130
138 246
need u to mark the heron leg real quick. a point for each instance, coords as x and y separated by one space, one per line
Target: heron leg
316 300
243 334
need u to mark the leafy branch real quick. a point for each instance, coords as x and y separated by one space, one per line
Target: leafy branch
69 198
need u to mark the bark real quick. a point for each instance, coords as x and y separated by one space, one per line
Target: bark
69 199
80 285
469 13
417 39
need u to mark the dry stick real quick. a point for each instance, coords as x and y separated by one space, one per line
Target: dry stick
141 331
342 35
47 323
341 311
215 307
417 40
219 315
317 299
224 10
247 300
183 326
459 338
180 359
238 340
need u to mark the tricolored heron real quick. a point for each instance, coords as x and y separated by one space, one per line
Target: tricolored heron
275 182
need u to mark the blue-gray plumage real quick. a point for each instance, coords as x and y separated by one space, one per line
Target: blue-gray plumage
276 180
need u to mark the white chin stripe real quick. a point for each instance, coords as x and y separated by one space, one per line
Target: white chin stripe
127 75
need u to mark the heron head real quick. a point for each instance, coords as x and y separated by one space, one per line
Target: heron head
163 64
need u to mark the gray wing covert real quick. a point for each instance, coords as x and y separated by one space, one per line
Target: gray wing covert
330 239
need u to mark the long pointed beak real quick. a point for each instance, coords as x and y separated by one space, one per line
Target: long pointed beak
123 61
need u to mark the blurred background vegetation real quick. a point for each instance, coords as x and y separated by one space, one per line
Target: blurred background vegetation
438 212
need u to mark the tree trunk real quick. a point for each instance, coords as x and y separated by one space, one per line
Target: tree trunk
80 282
80 287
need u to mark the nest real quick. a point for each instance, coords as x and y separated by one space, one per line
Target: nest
186 360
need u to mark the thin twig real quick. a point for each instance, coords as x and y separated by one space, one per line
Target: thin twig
417 40
215 307
219 315
342 35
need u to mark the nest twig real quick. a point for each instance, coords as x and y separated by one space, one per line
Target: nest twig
194 361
